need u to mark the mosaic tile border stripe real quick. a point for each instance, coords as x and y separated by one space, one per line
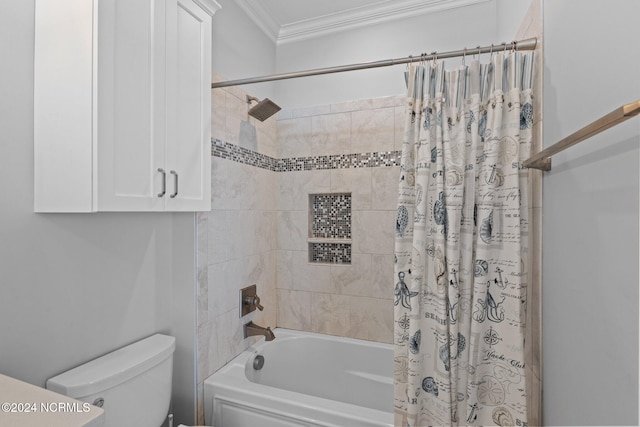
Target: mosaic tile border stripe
239 154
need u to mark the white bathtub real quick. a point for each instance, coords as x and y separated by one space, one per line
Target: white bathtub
307 380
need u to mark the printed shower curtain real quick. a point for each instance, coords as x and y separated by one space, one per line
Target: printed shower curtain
461 244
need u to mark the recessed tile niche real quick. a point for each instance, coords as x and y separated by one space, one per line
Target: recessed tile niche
330 228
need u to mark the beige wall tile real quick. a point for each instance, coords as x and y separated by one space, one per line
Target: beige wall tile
251 188
331 134
354 181
218 114
236 112
284 114
382 278
330 314
311 276
208 344
294 137
251 236
384 185
238 92
257 270
293 230
268 297
367 276
285 187
202 313
266 135
354 279
315 110
231 341
372 130
200 403
398 133
284 272
388 101
235 185
348 106
294 309
220 230
205 332
225 280
309 182
267 188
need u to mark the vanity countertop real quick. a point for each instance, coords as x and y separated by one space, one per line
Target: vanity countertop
26 405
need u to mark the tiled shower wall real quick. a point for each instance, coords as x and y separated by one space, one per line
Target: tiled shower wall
237 239
258 228
340 299
257 231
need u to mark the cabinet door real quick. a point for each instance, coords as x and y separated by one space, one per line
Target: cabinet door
188 151
131 104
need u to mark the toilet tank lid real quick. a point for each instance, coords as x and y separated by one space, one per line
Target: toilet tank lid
113 368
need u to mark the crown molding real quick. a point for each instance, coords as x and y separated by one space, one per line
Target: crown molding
343 21
262 18
210 6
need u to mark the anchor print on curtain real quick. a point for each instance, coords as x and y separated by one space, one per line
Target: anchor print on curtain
461 244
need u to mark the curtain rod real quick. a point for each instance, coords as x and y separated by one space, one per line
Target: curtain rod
542 160
526 44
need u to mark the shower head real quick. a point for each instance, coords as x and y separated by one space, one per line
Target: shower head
263 109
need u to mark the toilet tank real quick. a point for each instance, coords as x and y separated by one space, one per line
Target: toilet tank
134 382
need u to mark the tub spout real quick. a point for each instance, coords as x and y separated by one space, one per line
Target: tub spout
251 329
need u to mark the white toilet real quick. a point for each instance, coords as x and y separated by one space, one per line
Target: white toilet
132 384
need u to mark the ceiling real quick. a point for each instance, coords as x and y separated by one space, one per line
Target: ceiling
292 20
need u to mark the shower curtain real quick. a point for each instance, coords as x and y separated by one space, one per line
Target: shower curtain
461 244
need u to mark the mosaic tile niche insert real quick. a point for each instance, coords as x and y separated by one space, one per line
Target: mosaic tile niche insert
330 228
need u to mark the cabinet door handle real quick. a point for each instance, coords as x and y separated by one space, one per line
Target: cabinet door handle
164 182
175 183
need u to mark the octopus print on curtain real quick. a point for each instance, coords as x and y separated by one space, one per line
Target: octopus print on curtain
461 245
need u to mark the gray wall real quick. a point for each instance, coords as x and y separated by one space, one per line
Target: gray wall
590 224
484 23
241 49
76 286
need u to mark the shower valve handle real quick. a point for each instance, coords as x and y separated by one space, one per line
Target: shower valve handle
254 301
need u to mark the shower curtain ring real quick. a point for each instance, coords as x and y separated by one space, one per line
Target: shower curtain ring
491 52
505 47
464 56
514 45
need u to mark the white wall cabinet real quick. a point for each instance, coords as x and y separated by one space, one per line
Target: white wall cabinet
122 105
